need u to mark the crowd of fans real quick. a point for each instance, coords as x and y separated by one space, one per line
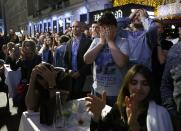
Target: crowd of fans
131 63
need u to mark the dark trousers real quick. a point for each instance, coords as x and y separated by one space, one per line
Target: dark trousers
77 86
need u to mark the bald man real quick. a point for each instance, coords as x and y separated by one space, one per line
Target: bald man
76 48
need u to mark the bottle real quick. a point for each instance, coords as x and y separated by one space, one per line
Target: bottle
59 121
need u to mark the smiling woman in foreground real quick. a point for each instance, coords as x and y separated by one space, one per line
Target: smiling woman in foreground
134 109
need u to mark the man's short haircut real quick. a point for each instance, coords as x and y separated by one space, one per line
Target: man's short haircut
64 38
107 19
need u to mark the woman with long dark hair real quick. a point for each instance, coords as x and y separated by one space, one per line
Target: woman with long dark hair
134 109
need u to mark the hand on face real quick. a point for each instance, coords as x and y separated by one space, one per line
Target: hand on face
102 36
132 15
136 19
137 15
96 104
108 33
47 74
142 13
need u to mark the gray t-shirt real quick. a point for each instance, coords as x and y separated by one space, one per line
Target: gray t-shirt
107 75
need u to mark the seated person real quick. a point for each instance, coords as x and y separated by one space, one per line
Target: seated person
134 109
45 77
27 61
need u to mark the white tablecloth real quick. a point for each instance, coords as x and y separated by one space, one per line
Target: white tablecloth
12 78
30 121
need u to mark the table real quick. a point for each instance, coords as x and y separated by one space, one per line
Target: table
12 78
30 121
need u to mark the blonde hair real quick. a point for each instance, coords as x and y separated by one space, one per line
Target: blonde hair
30 43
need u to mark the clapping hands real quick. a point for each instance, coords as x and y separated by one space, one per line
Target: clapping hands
132 111
95 105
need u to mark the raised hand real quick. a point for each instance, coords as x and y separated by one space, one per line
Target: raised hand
95 104
132 112
102 36
48 75
133 14
110 33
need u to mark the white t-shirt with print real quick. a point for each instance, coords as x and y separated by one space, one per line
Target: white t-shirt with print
107 75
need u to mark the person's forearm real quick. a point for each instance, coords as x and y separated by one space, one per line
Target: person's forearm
91 54
145 22
134 126
124 22
161 56
96 117
119 58
31 98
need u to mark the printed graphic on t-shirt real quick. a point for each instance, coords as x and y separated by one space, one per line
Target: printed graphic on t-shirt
105 69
